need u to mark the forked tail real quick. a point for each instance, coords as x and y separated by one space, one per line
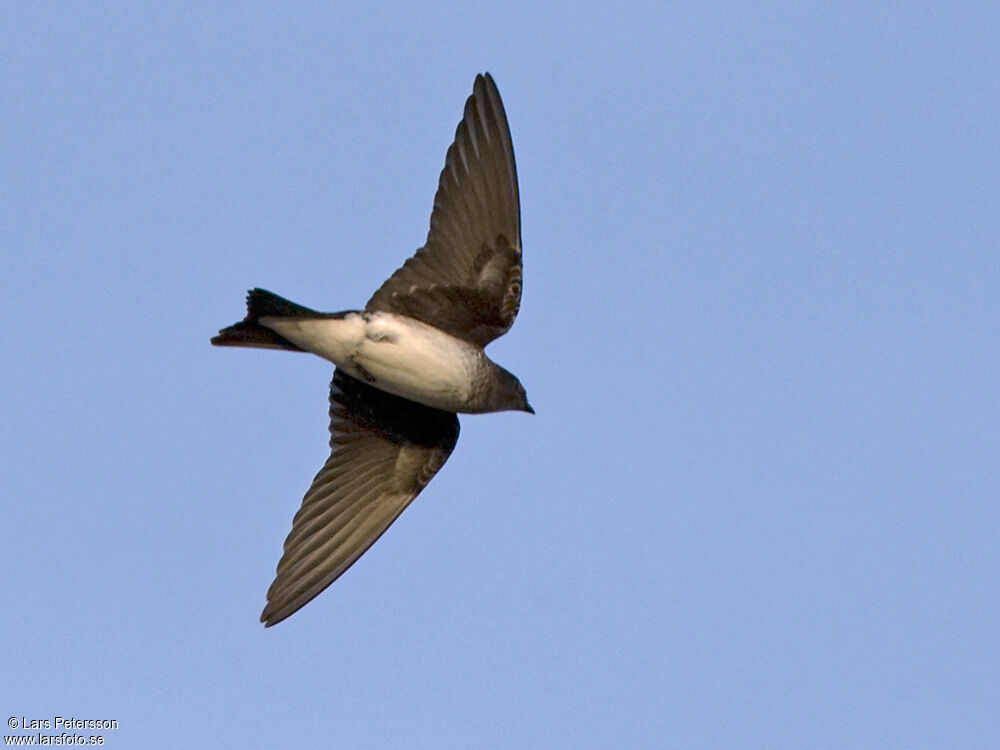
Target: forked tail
248 332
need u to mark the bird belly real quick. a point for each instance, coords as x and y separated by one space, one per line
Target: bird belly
391 352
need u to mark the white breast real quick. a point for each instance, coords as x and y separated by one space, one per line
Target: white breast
391 352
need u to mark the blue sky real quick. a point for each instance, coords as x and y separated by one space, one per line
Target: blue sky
758 505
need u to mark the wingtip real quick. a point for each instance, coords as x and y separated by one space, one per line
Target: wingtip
268 618
484 81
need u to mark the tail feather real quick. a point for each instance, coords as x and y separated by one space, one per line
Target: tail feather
262 303
248 332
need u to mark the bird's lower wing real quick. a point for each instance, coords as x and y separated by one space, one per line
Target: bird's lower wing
385 449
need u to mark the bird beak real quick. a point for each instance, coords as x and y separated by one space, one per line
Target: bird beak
527 408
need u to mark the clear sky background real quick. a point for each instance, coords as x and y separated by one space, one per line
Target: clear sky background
758 505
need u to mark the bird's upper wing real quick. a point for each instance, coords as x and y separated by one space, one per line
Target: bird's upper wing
466 279
385 449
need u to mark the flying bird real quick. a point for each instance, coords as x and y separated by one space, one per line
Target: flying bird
408 362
